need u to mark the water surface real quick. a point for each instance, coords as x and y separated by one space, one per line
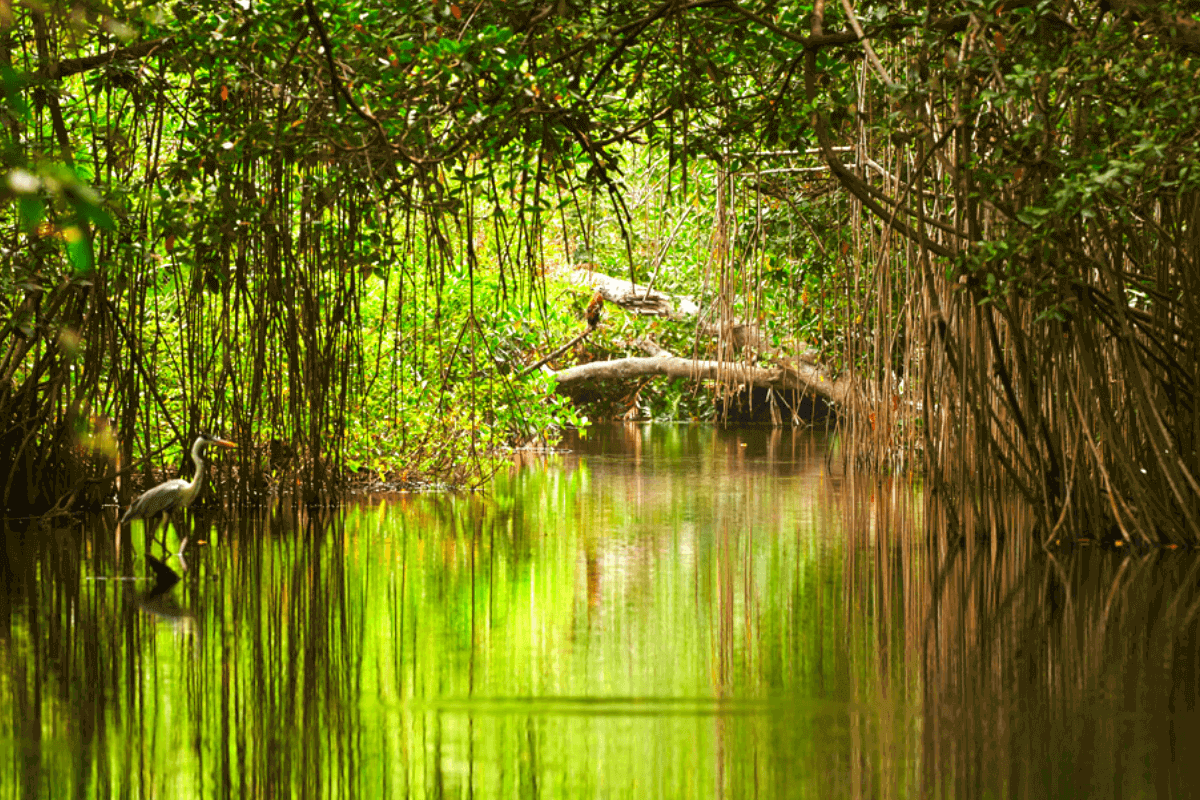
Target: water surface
662 611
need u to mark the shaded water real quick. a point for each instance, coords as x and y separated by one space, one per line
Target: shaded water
661 612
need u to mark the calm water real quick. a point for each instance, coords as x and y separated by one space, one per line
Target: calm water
660 612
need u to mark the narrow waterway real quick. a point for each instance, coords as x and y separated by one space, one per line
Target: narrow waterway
655 611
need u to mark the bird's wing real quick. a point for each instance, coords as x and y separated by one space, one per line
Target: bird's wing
154 501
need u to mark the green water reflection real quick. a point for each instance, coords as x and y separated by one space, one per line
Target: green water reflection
661 612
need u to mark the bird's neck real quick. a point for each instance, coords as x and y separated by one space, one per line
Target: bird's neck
197 479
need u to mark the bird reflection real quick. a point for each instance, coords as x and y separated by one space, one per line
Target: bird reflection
160 602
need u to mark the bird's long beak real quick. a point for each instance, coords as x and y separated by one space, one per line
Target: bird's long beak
224 442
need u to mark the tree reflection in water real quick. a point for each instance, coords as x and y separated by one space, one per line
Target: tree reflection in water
664 611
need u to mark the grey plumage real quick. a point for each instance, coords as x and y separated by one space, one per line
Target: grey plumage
175 493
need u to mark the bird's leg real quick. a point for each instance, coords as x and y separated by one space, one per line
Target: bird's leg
183 543
177 524
180 519
189 526
150 523
167 519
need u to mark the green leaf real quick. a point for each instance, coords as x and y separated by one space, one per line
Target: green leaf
79 250
31 210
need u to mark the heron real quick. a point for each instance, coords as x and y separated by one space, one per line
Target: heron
176 493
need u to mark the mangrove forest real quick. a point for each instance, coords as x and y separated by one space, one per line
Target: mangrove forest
387 245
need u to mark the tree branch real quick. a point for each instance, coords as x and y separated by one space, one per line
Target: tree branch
339 88
73 66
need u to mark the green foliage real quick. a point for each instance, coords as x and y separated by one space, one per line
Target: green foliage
53 204
416 430
1069 130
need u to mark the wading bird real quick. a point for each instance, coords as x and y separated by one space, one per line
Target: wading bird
173 494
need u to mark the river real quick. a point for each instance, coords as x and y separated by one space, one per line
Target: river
653 611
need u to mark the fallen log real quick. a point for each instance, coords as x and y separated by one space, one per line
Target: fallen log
801 373
798 376
740 337
635 297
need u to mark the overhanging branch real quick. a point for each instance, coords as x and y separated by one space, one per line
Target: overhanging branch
73 66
